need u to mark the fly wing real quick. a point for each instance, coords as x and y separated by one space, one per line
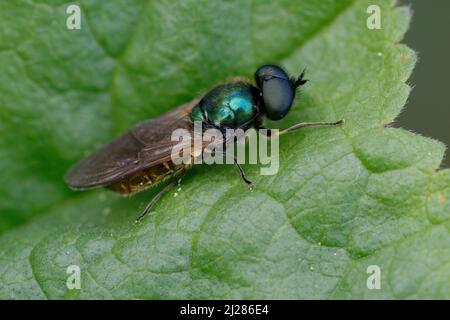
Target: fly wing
144 146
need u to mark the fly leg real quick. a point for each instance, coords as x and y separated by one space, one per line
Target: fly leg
164 190
241 170
300 125
155 200
242 173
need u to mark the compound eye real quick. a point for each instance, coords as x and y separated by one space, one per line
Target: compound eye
278 95
277 90
267 72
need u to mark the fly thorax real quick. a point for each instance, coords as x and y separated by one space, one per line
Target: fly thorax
229 105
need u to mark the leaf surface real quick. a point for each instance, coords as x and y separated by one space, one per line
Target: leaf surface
344 198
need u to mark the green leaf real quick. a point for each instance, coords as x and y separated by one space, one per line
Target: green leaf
344 198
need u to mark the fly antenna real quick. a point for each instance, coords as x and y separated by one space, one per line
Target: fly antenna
301 79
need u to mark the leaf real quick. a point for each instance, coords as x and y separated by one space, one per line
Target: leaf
344 198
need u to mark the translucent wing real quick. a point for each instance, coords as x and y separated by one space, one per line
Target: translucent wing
144 146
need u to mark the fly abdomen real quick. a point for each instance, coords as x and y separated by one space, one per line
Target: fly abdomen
145 179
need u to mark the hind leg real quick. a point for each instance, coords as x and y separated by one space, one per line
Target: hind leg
158 196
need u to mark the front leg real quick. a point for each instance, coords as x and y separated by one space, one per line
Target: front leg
300 125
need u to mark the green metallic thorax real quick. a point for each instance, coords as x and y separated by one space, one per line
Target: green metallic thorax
229 105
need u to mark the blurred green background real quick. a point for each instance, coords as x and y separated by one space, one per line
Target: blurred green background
428 109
